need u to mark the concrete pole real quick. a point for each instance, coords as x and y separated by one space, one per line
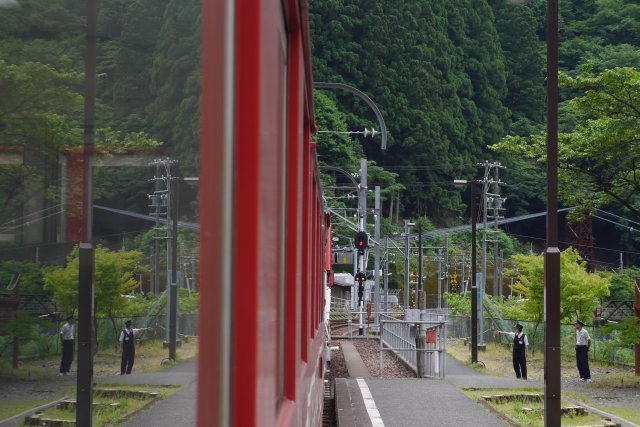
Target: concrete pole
421 303
496 252
446 267
439 279
386 274
637 310
376 272
406 264
500 282
362 226
483 285
474 285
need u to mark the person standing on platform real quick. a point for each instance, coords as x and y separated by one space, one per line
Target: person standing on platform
520 350
583 345
67 338
127 346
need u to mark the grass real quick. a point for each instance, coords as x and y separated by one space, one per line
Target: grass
514 410
497 362
629 414
105 415
149 358
10 408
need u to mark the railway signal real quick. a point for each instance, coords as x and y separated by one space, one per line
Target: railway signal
360 278
362 241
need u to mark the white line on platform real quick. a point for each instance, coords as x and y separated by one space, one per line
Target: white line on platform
370 404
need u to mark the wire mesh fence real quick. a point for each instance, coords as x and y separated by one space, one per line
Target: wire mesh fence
603 345
45 341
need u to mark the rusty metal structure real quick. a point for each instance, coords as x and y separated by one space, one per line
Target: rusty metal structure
580 236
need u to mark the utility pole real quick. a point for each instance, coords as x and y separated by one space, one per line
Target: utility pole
167 197
386 274
552 361
362 226
474 285
173 286
439 277
446 267
156 204
421 303
500 283
621 263
406 264
376 271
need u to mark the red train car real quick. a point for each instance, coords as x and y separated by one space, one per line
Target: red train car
262 219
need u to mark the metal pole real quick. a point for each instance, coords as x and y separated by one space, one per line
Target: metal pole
462 277
84 383
365 98
376 271
355 271
406 264
474 286
552 390
86 286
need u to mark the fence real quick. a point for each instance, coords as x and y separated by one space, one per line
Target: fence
46 341
602 345
399 336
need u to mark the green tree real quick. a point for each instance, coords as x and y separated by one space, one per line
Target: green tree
627 332
598 158
31 280
580 292
623 284
115 276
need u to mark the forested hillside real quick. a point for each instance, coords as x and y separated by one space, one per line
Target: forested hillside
454 77
451 77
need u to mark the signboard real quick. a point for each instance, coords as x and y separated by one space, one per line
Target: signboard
342 258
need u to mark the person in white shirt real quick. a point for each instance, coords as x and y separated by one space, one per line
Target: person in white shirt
67 338
127 346
520 350
583 344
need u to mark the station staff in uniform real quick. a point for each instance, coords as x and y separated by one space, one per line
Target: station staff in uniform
583 344
67 338
520 350
127 346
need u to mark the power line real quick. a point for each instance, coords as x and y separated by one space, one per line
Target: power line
618 216
574 244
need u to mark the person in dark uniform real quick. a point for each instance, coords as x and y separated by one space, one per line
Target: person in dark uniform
127 346
67 338
520 350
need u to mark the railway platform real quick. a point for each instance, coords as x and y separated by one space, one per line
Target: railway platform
378 402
